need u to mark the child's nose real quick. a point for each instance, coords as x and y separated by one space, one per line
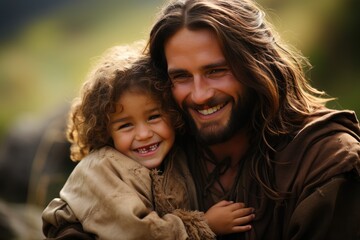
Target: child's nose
143 132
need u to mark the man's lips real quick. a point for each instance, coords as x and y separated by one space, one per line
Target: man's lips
211 110
147 149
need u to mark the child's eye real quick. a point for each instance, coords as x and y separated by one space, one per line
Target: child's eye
124 126
154 116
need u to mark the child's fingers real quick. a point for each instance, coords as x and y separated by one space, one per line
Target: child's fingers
241 228
243 212
223 203
243 220
235 206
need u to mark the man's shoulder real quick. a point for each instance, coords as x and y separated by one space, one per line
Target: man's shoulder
327 146
328 120
327 125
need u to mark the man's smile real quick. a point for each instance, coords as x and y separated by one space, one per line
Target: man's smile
211 110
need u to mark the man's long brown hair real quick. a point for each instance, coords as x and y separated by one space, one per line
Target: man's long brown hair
271 70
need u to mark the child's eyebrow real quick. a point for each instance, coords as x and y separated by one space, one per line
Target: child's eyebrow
118 120
127 118
155 109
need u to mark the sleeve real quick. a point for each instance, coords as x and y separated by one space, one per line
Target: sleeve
195 224
112 197
331 212
194 221
60 223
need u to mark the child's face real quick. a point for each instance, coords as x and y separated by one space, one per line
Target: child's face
139 130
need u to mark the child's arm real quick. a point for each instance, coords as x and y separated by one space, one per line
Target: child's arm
227 217
223 218
59 222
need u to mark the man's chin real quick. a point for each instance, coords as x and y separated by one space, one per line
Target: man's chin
212 135
215 131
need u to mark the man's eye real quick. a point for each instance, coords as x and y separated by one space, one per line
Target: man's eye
217 73
179 78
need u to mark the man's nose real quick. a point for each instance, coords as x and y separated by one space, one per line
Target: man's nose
143 132
201 91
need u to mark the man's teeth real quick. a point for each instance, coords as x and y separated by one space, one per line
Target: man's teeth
147 149
211 110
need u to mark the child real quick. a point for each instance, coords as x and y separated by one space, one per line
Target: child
122 127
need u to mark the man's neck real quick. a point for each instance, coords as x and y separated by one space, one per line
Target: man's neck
235 148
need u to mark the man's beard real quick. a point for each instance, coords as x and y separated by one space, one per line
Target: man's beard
216 132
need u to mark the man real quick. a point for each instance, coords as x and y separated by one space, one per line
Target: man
263 135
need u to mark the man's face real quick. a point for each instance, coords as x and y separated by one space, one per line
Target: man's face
204 86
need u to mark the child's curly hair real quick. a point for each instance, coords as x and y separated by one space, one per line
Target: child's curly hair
122 68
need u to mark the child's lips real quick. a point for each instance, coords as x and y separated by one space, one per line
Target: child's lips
147 149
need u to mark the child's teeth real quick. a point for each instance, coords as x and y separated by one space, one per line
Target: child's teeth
147 149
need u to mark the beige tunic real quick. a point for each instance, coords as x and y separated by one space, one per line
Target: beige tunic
111 196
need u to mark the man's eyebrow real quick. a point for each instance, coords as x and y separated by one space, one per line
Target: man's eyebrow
222 63
173 71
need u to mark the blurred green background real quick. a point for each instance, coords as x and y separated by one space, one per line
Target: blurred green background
47 47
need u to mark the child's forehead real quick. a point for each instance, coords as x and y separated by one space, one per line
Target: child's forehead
142 90
144 96
141 100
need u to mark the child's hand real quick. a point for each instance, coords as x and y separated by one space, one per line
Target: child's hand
227 217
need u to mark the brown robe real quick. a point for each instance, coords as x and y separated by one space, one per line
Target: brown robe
320 168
